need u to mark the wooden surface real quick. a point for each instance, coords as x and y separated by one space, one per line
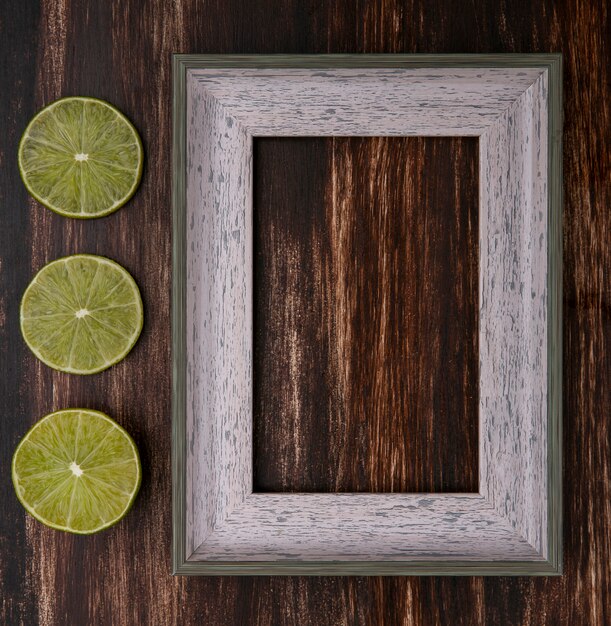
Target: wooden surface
365 320
121 52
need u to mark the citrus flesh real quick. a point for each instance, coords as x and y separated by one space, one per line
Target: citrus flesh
81 157
81 314
77 470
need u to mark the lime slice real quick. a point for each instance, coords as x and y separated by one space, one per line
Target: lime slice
80 157
77 470
81 314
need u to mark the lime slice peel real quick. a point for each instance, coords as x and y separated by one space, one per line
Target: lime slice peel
81 157
81 314
77 470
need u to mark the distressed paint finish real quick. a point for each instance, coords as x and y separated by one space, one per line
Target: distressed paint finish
121 51
365 328
394 527
513 315
329 101
219 317
513 283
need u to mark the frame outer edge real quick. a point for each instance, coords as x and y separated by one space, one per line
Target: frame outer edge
367 568
555 122
547 567
179 556
209 61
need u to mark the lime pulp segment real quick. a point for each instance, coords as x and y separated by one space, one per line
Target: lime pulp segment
77 470
81 157
81 314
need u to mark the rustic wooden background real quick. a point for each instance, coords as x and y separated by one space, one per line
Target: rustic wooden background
365 314
121 51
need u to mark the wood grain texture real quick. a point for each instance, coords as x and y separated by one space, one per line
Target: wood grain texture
218 316
513 308
347 101
17 596
398 527
366 297
121 51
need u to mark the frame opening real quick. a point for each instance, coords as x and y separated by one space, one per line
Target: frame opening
365 314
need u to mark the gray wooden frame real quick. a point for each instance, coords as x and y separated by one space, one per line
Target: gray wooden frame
513 525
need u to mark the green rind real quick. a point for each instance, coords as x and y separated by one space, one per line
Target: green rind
552 566
117 359
58 210
64 528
